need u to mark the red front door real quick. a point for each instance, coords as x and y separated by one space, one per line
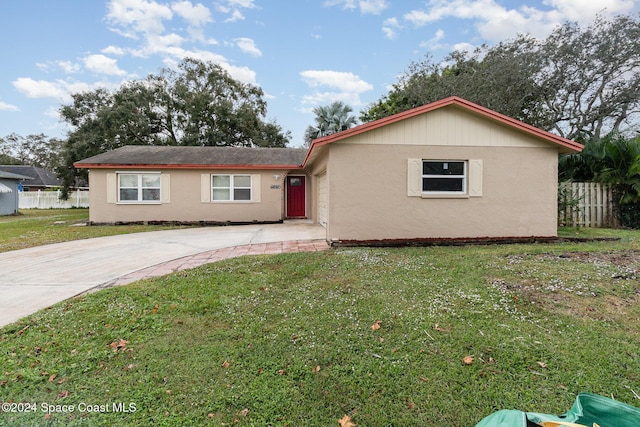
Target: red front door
295 197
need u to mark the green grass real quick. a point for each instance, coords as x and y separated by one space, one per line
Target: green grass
288 339
36 227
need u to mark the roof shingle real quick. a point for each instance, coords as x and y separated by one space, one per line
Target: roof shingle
181 156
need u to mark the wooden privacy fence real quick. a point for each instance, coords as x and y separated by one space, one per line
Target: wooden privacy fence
586 204
51 200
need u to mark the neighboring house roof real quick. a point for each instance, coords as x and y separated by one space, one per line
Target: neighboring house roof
8 175
564 144
38 177
186 157
11 175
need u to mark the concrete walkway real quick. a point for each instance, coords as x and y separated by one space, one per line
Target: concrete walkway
35 278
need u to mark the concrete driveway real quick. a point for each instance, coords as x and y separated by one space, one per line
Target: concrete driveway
35 278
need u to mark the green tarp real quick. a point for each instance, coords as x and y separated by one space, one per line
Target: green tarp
588 410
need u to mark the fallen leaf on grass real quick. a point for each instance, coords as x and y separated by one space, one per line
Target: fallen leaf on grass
346 421
119 344
226 364
155 308
438 328
467 360
376 325
316 369
244 412
542 364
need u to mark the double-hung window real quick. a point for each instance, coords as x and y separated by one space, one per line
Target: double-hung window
230 188
139 187
444 177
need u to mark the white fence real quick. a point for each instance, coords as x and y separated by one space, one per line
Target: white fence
586 204
51 200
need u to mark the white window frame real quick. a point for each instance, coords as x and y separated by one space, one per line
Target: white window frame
464 177
232 187
140 188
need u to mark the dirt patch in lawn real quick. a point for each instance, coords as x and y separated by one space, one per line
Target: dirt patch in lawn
596 285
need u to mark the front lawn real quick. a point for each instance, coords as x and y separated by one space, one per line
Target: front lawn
438 336
36 227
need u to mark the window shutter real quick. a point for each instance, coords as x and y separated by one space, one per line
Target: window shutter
112 188
165 188
475 178
414 178
205 188
255 188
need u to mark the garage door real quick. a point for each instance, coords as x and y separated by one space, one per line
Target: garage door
323 200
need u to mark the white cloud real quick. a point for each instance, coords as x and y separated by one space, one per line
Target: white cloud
42 89
138 16
113 50
235 17
495 22
248 46
103 65
196 16
59 90
582 11
66 66
347 87
464 47
389 27
374 7
8 107
159 44
434 42
233 7
243 74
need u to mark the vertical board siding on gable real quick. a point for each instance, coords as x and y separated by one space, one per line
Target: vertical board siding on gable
447 127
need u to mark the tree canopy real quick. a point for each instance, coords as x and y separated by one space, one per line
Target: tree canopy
580 83
198 103
33 150
329 119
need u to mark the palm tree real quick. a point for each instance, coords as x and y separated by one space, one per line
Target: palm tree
330 119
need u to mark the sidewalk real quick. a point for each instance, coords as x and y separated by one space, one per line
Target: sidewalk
35 278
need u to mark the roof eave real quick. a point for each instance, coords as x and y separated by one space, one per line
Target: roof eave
566 145
144 166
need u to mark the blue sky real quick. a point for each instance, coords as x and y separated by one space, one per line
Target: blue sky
302 53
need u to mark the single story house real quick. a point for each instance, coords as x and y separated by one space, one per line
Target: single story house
9 185
40 179
447 170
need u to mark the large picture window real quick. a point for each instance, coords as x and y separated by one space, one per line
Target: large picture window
230 188
139 187
444 177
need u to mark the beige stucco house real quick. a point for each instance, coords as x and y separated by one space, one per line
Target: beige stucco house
446 170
